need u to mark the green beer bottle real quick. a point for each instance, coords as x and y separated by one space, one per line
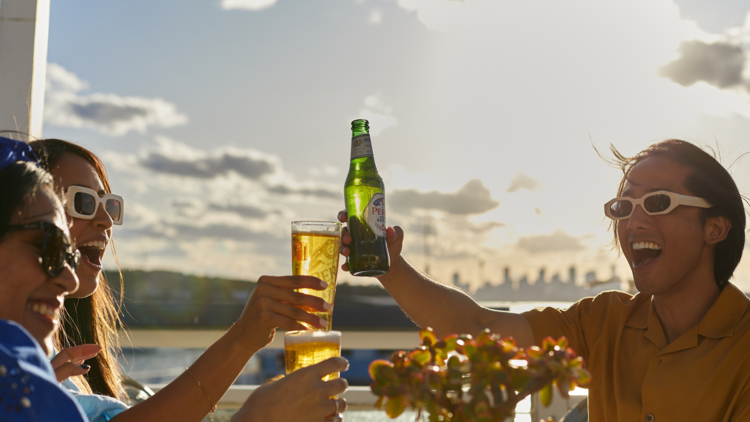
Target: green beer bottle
365 207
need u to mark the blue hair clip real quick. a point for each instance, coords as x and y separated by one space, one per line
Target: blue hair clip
14 151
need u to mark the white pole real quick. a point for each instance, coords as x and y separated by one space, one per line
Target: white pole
24 31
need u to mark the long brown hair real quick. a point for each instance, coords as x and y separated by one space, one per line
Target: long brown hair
94 319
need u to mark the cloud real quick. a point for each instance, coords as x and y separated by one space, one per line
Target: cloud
243 210
484 228
558 241
376 17
192 207
378 113
522 181
325 171
320 192
254 5
220 231
422 229
438 15
719 64
109 114
175 158
472 198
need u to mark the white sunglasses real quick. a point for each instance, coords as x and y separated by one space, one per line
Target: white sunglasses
83 202
654 203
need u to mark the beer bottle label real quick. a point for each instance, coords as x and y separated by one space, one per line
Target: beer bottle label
361 146
375 214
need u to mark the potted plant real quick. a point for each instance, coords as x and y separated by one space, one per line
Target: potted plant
465 379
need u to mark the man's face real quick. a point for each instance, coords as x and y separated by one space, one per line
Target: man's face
663 251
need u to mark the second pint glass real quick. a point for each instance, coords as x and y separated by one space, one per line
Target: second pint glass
305 348
315 252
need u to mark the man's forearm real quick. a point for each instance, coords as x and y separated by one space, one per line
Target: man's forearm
430 303
448 310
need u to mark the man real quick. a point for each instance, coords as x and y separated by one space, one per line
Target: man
678 350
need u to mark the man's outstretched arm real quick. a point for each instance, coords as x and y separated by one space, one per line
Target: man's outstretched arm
430 303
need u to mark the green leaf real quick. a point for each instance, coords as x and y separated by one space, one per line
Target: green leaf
428 337
395 407
421 356
450 342
545 395
471 351
548 344
375 366
398 356
386 374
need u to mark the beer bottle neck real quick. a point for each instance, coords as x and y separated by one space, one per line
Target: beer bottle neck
362 157
360 127
361 148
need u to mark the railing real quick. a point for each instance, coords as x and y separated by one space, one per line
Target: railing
358 398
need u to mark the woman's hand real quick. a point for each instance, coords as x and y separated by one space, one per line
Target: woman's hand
69 362
273 304
394 238
300 396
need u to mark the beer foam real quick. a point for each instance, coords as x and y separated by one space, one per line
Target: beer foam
325 228
300 337
316 232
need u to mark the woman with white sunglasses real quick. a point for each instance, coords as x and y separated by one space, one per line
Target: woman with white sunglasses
93 210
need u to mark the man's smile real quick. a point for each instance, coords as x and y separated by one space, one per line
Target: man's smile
645 253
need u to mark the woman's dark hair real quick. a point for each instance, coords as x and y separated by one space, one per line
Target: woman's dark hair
707 179
94 319
19 182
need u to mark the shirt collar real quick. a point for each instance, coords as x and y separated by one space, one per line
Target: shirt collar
720 320
724 314
639 316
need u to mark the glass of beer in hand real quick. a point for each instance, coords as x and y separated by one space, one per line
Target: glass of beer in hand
305 348
315 252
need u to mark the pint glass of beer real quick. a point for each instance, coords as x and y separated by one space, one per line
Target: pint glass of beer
305 348
315 252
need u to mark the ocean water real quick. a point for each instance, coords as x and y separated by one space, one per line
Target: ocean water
164 364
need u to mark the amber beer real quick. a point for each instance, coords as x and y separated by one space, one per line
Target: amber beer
315 252
305 348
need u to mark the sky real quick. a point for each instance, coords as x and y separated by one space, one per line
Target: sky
221 121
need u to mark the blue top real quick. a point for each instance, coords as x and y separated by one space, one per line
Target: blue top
98 408
29 391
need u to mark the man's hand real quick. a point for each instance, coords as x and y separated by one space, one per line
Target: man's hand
301 396
69 362
394 238
274 304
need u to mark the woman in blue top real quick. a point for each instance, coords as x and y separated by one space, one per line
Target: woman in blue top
37 264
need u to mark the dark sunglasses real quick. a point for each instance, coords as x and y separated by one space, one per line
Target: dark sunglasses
56 248
654 203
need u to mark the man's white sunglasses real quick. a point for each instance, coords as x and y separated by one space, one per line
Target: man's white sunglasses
83 202
654 203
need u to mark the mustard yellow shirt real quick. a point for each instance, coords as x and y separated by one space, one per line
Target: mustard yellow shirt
704 375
